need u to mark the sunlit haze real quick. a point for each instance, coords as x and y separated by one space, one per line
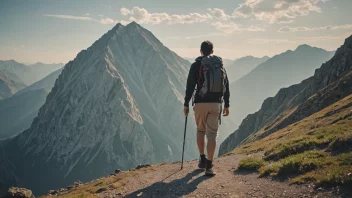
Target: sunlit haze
55 31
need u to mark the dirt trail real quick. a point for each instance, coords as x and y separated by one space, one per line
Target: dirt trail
167 180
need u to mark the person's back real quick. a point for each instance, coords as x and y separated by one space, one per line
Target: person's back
208 76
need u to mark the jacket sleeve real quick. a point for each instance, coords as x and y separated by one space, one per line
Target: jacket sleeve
191 84
227 94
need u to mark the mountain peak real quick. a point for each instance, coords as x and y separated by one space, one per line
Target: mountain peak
101 96
117 26
133 26
133 23
248 57
303 47
9 61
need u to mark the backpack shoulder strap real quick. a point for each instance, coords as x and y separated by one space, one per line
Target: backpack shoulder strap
200 74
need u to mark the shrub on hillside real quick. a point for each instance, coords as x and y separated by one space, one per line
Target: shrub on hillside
251 164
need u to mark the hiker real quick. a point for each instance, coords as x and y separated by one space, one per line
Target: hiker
209 78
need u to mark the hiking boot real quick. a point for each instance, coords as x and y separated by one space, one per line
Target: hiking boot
202 162
209 169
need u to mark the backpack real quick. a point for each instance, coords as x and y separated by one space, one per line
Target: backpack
212 77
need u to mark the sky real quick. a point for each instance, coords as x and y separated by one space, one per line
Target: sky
53 31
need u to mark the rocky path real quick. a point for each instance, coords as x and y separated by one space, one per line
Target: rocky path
167 180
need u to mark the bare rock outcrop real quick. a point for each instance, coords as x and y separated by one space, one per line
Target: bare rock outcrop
19 193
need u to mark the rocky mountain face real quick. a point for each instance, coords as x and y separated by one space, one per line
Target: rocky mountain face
9 84
288 68
18 111
116 105
28 74
330 83
242 66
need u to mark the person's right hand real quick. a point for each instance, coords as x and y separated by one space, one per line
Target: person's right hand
186 110
226 111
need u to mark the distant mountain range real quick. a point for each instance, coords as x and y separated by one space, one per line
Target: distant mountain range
242 66
15 76
18 111
329 84
31 73
9 84
266 79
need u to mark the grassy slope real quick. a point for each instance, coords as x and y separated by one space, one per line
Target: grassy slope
317 149
90 189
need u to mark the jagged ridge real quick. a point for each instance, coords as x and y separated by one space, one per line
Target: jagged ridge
273 109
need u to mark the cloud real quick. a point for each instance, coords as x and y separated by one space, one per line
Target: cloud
229 28
83 18
308 39
125 11
206 35
219 14
306 29
141 15
265 41
102 20
198 36
107 21
277 11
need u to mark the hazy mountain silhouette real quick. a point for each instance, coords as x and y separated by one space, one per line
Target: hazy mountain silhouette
242 66
290 67
9 84
18 111
330 83
28 74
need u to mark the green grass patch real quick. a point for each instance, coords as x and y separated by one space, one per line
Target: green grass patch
333 176
297 164
251 164
327 177
291 147
341 144
344 159
334 137
313 166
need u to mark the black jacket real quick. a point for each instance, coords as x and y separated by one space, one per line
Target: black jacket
192 83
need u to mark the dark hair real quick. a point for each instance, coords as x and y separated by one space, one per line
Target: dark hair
206 47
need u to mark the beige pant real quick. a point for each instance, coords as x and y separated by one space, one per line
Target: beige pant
207 119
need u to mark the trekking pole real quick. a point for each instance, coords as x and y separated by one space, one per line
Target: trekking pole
184 138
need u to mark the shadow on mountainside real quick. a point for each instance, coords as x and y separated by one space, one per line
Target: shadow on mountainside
175 188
